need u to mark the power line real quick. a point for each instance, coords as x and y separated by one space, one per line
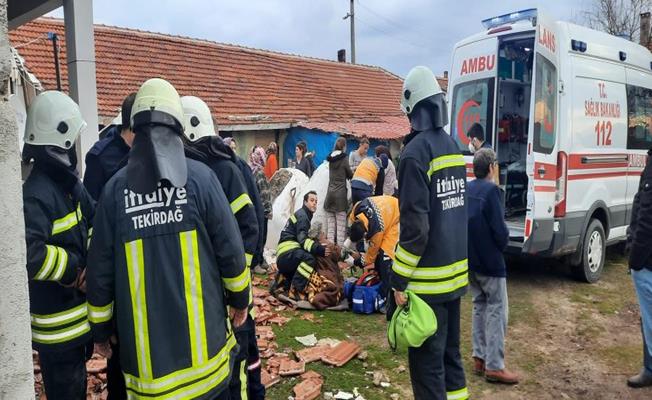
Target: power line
391 35
391 21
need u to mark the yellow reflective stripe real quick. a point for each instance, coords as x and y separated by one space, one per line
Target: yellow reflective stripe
194 297
406 257
218 365
136 272
448 161
307 245
240 202
461 394
293 219
61 265
90 235
50 256
441 272
249 258
60 318
61 335
402 269
286 246
238 283
243 380
305 270
439 287
100 314
68 222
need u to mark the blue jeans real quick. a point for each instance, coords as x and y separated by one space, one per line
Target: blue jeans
643 284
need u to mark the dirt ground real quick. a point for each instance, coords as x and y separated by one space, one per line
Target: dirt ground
567 340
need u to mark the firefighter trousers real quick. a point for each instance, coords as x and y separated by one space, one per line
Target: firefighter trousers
296 266
245 381
436 368
64 372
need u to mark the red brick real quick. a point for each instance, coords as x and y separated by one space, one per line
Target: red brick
341 354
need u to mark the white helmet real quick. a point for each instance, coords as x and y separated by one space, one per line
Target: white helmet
157 94
198 121
420 83
53 119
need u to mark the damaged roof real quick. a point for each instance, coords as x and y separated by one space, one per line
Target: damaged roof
244 87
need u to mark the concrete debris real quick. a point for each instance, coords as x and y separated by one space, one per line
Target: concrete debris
343 396
401 368
395 396
328 342
380 378
308 340
363 356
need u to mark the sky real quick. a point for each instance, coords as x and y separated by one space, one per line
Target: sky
393 34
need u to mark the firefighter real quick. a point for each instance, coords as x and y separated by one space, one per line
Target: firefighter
58 215
369 176
202 144
431 256
296 251
104 159
376 220
167 256
109 154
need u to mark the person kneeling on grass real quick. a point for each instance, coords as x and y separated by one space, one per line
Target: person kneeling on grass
487 277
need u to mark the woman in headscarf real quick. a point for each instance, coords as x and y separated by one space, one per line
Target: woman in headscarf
271 164
230 141
257 165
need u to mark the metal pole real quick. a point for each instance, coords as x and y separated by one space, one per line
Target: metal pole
352 14
55 48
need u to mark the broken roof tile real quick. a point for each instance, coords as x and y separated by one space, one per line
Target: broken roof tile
341 353
290 368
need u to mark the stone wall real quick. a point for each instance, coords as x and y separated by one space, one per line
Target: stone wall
16 370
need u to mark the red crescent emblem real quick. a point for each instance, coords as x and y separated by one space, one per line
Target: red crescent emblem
464 120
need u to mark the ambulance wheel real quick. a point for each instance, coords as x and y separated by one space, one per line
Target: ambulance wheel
593 254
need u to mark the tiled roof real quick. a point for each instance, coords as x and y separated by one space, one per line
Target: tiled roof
242 86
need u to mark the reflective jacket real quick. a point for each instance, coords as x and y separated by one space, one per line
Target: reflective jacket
235 189
295 235
168 263
431 257
367 172
380 216
104 159
57 226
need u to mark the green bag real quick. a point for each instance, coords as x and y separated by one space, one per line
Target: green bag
411 324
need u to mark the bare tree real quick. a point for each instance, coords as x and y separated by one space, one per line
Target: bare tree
617 17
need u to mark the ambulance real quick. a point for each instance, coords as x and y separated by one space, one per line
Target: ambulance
568 111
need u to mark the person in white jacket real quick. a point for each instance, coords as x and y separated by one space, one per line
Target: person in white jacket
390 185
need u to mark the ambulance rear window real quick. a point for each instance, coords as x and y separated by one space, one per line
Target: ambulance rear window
639 118
473 102
545 106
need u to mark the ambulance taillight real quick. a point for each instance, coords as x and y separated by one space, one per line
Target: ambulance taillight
560 194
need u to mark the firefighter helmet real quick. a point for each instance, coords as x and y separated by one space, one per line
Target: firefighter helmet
53 119
419 84
198 121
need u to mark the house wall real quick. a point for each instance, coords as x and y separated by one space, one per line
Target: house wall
16 370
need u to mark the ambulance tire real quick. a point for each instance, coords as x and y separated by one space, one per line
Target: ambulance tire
593 254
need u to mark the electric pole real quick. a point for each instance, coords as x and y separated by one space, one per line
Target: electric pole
351 15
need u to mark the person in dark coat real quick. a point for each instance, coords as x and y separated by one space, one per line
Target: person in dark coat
487 277
337 202
640 263
109 154
304 162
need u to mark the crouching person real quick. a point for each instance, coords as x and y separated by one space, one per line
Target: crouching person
487 278
296 251
376 219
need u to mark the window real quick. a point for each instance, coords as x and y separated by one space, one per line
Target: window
639 117
545 105
473 102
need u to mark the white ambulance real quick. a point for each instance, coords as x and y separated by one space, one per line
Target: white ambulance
568 111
